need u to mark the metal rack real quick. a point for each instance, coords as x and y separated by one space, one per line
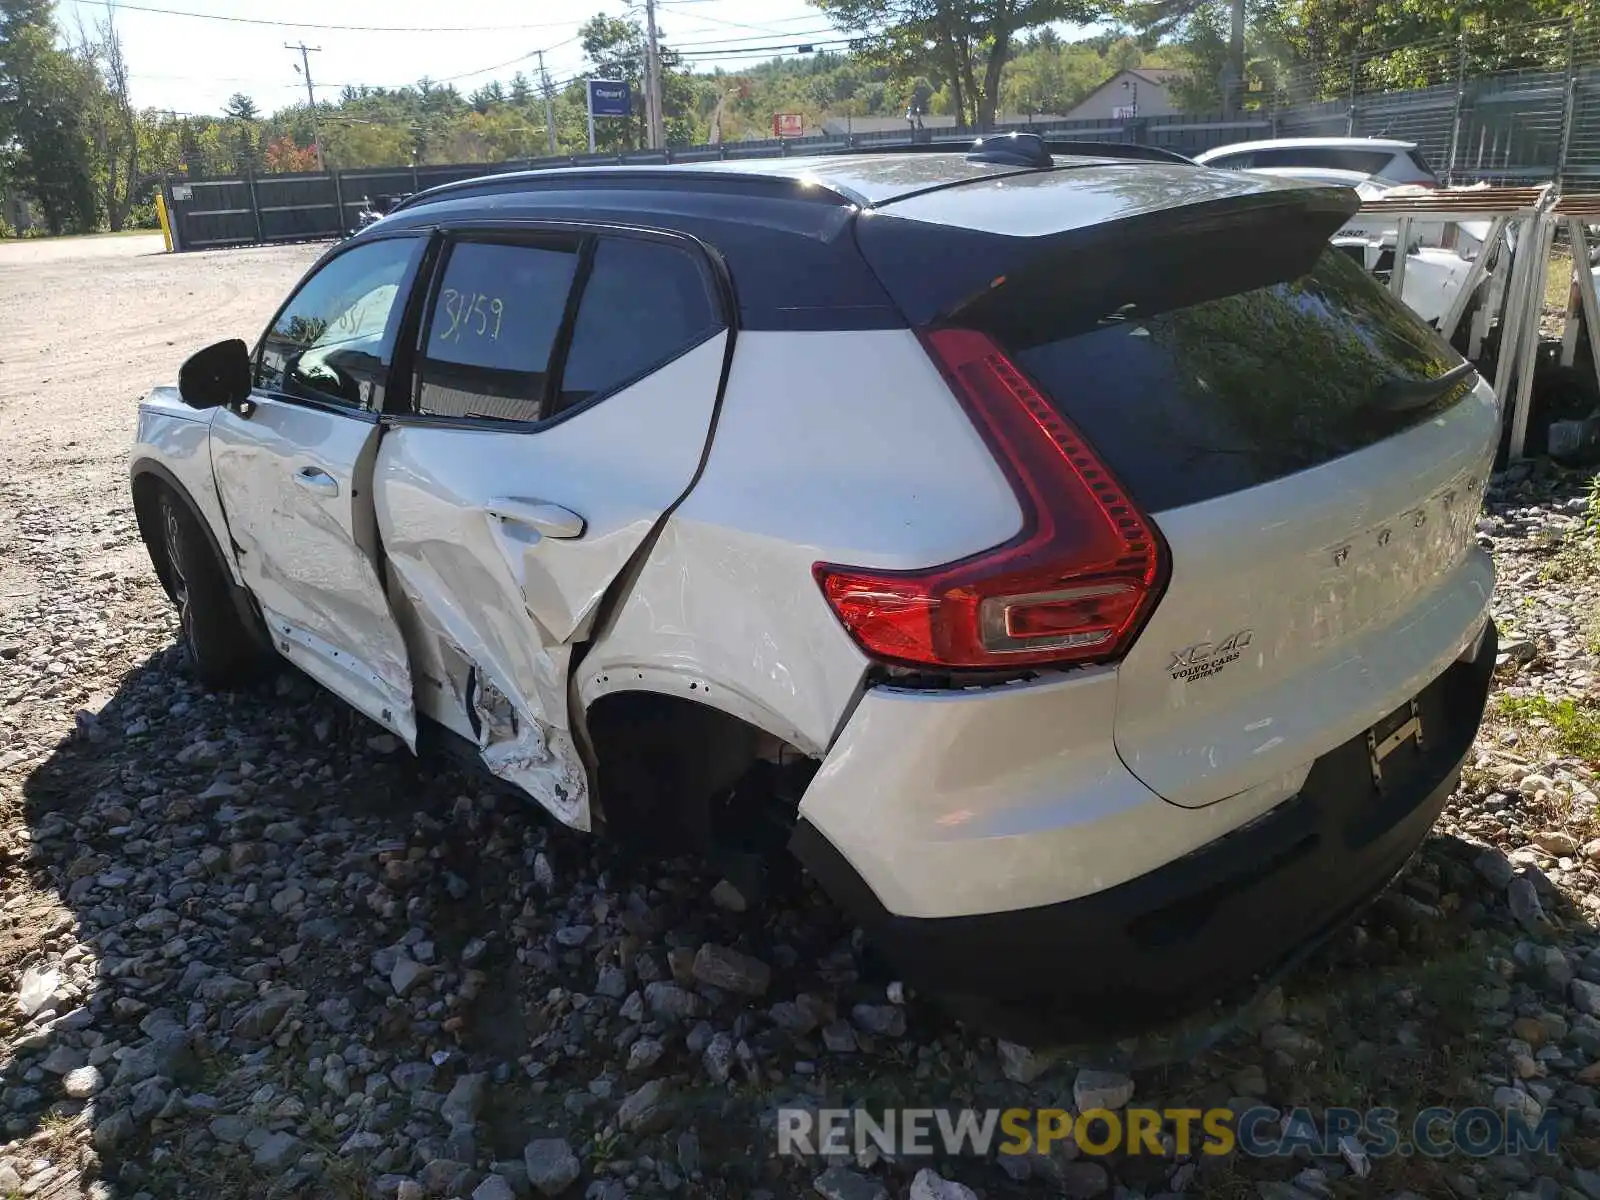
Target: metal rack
1522 227
1576 213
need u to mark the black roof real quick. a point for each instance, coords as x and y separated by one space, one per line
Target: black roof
864 179
787 229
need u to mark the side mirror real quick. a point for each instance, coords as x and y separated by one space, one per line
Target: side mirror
216 377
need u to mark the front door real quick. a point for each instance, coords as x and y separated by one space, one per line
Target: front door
563 399
294 468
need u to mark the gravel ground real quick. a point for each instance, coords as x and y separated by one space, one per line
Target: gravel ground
248 947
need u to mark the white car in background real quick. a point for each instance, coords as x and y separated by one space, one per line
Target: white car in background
1435 274
1385 161
1374 167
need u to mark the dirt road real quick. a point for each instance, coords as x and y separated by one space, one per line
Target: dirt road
89 324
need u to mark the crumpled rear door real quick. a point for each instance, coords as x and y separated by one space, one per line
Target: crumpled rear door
504 526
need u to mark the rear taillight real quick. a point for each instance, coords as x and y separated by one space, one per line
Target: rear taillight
1074 586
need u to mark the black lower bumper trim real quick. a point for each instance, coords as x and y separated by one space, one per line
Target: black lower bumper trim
1204 926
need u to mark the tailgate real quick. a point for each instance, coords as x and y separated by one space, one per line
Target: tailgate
1312 453
1301 612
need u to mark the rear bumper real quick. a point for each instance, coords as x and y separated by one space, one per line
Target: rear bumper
1206 924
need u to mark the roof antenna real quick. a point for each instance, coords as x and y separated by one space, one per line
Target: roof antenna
1012 150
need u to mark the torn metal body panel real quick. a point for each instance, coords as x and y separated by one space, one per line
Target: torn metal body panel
504 543
540 759
715 615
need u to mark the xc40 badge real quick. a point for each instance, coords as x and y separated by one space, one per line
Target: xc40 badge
1204 659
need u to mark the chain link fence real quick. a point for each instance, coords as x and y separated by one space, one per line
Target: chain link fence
1516 103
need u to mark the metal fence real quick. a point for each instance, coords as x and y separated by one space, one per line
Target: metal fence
1534 122
1511 103
213 213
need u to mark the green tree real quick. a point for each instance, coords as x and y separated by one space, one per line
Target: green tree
1418 39
614 49
1167 19
44 129
241 108
109 115
489 95
356 143
966 43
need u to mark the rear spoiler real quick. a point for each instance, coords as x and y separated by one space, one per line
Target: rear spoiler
1229 244
1067 147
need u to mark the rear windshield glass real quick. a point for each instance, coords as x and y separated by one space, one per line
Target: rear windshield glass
1189 402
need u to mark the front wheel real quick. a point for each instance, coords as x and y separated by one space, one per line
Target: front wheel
222 652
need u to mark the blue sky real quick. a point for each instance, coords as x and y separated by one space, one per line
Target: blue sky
193 65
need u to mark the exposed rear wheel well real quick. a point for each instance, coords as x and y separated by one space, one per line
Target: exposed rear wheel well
680 776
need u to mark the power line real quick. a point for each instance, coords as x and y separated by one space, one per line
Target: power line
698 49
797 48
766 29
799 35
202 16
462 75
692 52
712 49
485 70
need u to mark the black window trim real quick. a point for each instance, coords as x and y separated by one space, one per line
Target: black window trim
524 232
408 285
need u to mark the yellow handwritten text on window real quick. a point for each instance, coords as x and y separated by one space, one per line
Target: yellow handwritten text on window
463 313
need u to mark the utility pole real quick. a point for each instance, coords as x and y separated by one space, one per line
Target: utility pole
311 95
549 113
652 80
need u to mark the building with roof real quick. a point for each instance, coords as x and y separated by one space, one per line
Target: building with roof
1135 92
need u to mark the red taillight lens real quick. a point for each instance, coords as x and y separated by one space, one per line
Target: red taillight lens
1073 587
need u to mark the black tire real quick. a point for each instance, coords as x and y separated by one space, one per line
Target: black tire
222 650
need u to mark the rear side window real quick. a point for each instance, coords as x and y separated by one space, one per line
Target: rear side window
1232 162
1368 162
1188 401
492 336
1420 163
644 304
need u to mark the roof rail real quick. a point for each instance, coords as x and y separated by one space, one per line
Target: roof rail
1069 146
683 178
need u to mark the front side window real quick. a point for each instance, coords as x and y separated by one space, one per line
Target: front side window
490 345
333 342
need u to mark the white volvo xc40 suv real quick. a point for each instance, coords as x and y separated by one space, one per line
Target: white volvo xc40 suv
1082 545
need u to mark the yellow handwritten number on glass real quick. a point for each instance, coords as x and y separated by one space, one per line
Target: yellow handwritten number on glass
460 309
452 309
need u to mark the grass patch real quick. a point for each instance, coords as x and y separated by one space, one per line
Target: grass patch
1571 726
1575 554
1558 280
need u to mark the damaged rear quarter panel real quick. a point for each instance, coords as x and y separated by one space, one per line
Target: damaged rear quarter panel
841 446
